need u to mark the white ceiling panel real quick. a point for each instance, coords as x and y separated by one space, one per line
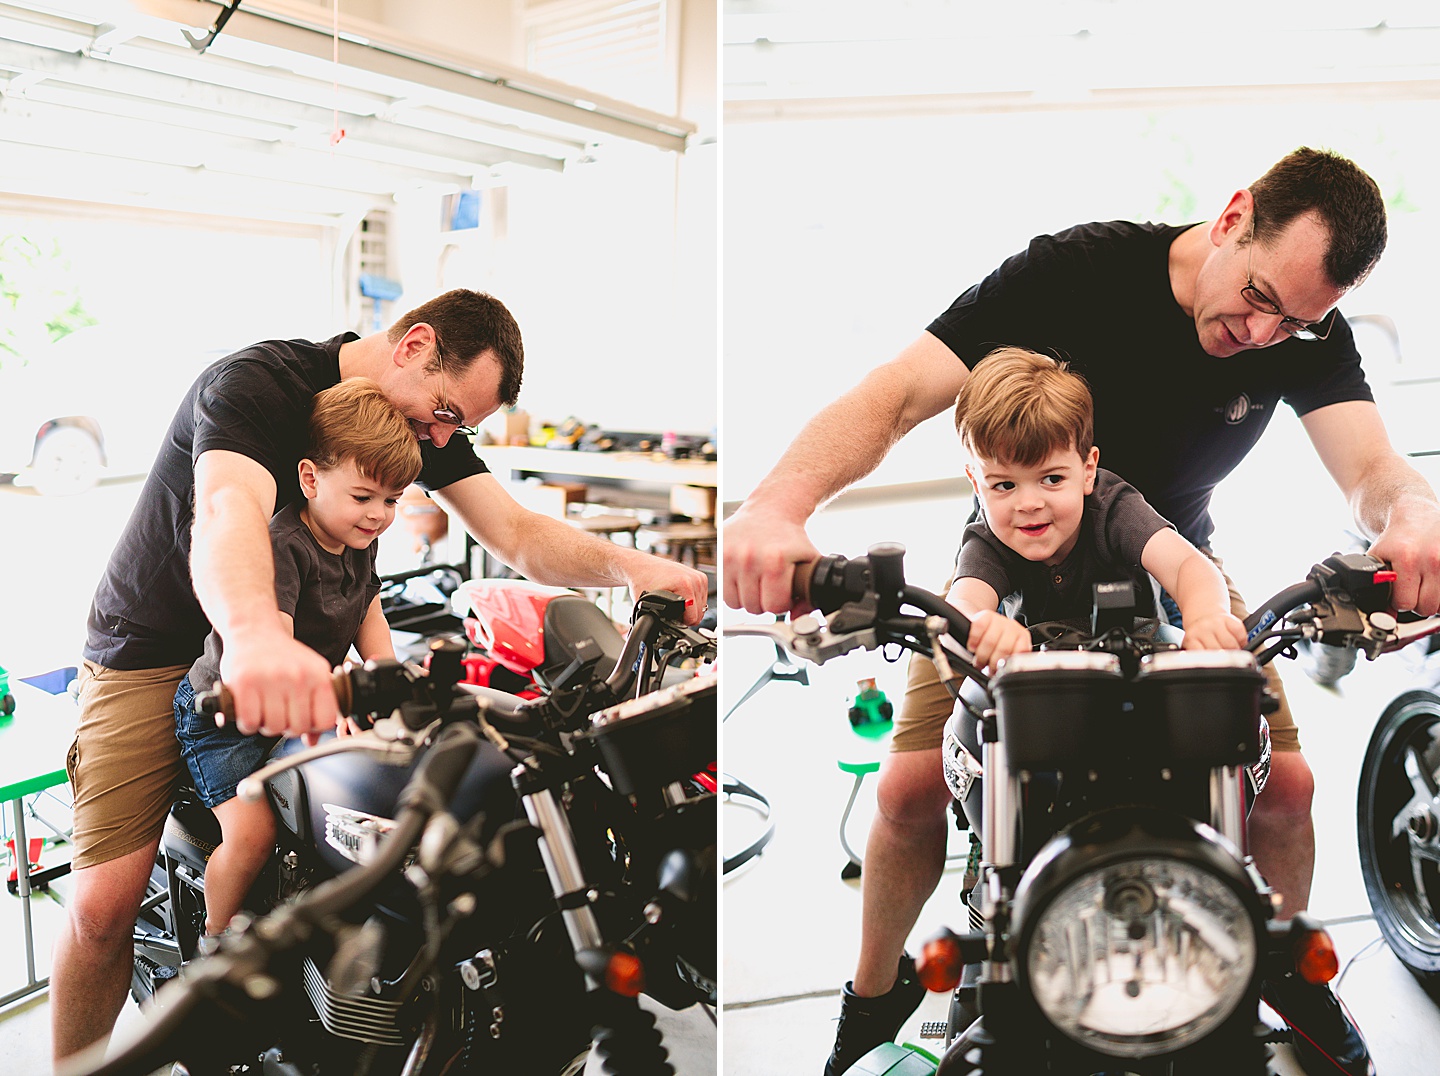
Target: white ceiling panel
263 122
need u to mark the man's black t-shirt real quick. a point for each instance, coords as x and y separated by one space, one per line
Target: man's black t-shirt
1170 419
255 402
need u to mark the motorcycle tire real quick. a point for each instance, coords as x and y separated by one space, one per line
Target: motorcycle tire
1404 887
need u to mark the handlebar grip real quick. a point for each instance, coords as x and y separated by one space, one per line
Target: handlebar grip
804 571
219 700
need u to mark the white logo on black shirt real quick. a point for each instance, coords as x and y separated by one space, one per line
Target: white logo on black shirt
1237 410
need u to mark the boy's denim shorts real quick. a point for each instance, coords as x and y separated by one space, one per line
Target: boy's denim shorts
219 757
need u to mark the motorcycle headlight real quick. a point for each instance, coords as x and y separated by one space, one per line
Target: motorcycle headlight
1140 956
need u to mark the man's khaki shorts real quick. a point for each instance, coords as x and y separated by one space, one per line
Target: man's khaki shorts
125 761
920 724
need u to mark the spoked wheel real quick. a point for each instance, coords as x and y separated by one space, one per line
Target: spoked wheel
1399 824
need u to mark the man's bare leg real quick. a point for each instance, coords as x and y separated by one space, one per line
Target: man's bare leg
1282 833
93 954
904 858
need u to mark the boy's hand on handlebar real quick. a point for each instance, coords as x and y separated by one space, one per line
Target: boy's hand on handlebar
1214 631
279 687
761 551
994 636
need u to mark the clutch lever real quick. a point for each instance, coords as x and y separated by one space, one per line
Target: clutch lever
807 638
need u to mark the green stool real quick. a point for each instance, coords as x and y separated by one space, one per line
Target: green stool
870 716
892 1059
858 770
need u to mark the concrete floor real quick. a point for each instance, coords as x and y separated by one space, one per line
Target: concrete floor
790 924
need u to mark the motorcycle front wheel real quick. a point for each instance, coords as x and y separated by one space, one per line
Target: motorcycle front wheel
1398 832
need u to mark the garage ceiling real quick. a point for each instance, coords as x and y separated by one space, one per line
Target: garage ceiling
801 58
109 101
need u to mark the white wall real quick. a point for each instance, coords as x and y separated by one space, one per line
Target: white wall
610 268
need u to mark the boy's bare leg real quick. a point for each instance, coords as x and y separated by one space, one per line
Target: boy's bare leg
94 952
904 858
248 831
1282 833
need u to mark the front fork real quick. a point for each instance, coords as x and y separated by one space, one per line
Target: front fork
625 1039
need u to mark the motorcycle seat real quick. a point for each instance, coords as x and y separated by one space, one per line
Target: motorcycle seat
191 831
570 621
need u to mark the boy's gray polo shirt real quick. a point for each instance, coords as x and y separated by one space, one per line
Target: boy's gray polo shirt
327 594
1114 527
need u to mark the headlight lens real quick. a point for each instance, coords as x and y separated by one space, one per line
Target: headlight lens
1142 954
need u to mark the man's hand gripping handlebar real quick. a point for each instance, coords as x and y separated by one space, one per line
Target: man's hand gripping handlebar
864 602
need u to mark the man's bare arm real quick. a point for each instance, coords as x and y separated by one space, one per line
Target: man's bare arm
551 551
766 537
1390 500
280 686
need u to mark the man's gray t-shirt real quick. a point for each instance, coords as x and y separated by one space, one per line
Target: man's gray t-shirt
1115 525
326 593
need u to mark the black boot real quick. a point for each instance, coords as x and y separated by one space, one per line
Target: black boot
1326 1039
867 1022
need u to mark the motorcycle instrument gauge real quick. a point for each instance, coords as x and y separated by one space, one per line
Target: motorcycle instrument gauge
661 737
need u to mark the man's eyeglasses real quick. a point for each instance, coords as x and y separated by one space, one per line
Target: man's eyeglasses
444 413
1301 330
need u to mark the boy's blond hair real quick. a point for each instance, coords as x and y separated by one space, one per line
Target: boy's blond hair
1019 406
354 420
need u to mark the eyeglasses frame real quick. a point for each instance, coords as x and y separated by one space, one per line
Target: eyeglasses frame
1258 300
444 413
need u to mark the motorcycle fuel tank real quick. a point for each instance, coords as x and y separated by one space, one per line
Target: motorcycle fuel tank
325 801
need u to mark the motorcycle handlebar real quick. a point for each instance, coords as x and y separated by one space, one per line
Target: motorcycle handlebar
866 593
1292 597
831 582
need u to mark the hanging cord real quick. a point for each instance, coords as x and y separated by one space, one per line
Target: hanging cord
337 133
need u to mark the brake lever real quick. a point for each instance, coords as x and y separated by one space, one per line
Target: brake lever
807 638
1405 634
390 740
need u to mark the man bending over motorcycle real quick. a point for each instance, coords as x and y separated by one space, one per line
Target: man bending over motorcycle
1052 523
195 556
1159 319
362 455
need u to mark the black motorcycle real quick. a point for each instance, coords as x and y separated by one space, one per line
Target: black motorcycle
494 908
1119 922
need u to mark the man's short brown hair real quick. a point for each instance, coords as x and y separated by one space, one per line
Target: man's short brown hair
1019 406
355 421
1341 194
468 324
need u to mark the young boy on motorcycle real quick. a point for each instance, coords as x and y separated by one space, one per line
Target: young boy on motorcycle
1053 523
362 455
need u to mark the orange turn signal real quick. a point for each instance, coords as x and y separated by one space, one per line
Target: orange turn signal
625 975
1315 957
940 964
